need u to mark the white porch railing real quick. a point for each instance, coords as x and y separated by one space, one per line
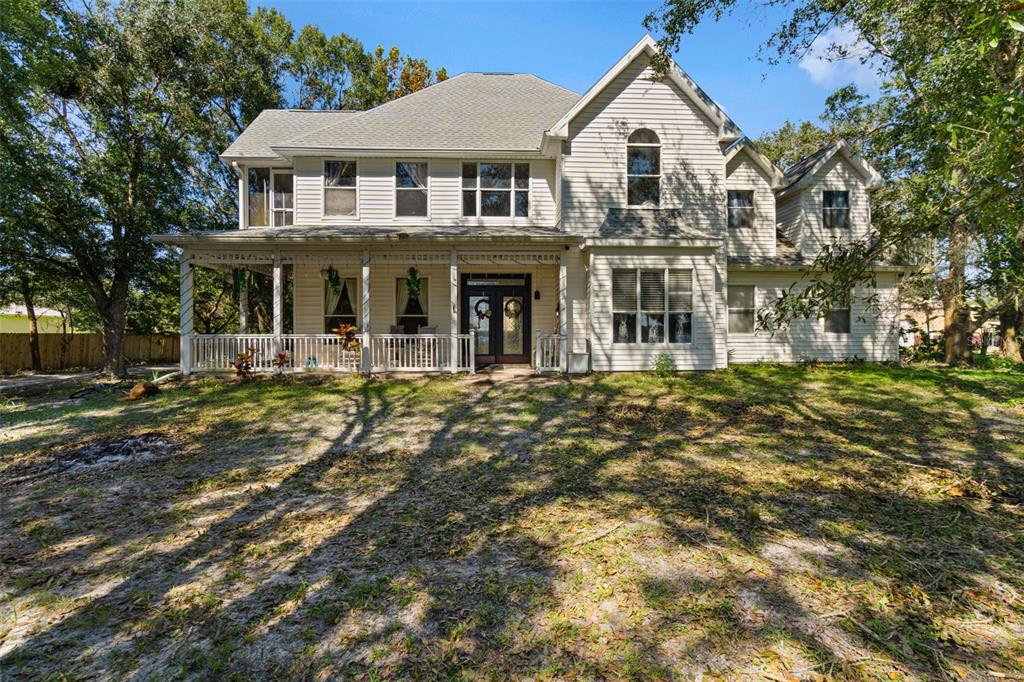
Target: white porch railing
387 352
421 352
548 352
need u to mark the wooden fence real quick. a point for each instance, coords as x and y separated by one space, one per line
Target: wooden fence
83 350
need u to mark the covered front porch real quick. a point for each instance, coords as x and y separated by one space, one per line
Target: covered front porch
385 308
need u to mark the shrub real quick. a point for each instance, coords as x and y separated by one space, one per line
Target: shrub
663 365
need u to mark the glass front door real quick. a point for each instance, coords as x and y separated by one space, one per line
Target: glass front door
497 308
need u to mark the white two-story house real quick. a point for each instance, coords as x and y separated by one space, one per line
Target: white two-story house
499 218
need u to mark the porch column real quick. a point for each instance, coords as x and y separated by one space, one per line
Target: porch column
453 287
278 302
243 309
185 325
365 323
563 315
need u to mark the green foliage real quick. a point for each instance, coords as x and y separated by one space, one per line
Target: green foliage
790 143
663 365
946 130
413 283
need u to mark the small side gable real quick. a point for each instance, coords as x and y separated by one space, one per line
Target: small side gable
806 172
744 150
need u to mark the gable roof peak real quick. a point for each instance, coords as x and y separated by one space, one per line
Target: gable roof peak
801 172
727 130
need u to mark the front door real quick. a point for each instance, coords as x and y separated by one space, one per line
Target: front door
497 308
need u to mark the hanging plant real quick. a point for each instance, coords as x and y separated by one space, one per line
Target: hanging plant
333 278
412 284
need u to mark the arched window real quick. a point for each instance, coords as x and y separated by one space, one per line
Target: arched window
643 168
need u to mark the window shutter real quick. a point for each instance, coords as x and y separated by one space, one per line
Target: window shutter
624 290
680 291
652 290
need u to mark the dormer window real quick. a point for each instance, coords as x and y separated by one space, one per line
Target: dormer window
643 168
835 212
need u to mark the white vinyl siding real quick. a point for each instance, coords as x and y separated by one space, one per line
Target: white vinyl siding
377 187
837 174
759 240
874 338
594 164
698 354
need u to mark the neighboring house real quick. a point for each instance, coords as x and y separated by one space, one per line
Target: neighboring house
537 226
14 320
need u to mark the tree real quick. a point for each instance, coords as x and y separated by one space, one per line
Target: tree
946 130
790 143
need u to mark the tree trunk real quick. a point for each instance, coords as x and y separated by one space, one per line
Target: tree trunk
1011 324
954 300
33 324
113 317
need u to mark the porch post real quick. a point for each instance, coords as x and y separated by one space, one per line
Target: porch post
365 358
453 289
243 304
563 315
278 302
185 324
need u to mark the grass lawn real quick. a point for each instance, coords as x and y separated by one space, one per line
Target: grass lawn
756 523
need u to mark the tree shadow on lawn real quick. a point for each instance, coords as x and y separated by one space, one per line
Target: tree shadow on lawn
612 526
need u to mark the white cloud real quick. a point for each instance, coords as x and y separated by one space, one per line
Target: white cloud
824 68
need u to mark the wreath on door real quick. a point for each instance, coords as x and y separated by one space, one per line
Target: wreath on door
513 308
486 312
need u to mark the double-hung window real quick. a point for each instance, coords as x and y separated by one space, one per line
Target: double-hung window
741 209
339 188
643 168
835 209
741 309
411 189
496 190
652 306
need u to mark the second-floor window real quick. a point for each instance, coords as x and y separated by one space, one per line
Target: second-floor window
741 209
643 168
496 190
411 184
271 197
835 209
339 188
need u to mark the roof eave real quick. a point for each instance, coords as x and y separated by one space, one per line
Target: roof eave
415 152
185 240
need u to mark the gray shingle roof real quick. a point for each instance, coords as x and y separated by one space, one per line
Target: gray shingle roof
649 223
469 111
275 125
799 169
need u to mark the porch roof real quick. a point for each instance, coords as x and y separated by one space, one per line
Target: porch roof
651 223
360 234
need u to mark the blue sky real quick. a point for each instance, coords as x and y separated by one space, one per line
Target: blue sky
573 43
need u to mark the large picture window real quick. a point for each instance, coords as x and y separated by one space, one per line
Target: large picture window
741 309
741 209
652 306
835 213
339 304
339 188
411 189
496 190
643 168
411 311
